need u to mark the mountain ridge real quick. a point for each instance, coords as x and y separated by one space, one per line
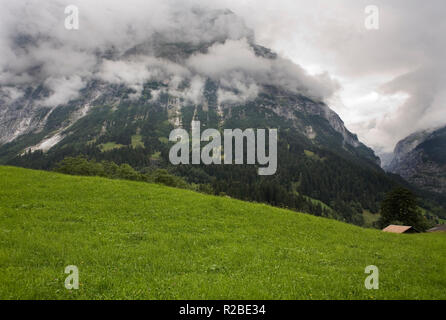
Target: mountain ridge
420 159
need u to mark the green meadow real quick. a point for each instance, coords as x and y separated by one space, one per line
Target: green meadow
134 240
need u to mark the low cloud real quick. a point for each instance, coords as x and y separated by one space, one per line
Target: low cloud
62 90
236 66
130 43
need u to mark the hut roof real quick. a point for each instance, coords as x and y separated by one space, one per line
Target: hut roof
397 229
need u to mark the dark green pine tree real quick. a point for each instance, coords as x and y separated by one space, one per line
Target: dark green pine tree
400 207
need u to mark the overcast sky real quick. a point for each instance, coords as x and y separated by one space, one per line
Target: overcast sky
392 79
385 83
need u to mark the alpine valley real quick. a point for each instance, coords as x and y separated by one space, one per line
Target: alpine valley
322 169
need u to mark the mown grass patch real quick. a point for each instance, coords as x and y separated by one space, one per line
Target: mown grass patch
137 141
104 147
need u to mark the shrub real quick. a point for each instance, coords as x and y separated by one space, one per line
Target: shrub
80 166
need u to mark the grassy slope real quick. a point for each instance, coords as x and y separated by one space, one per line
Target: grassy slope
137 240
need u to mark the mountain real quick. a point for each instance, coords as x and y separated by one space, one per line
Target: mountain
28 114
134 240
124 106
421 159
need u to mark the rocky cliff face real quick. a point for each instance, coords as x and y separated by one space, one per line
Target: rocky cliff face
49 125
421 159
